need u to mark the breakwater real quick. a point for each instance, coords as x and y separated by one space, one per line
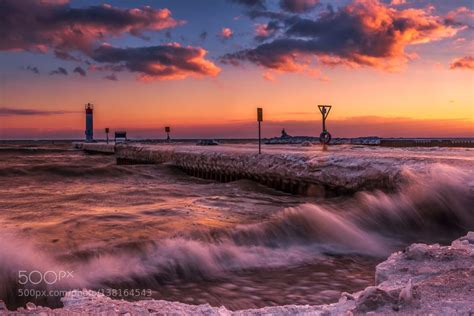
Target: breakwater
342 170
295 172
427 142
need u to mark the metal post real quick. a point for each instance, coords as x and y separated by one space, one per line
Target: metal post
259 119
324 119
107 134
325 137
168 130
259 137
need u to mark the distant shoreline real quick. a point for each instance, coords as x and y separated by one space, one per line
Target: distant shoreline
68 140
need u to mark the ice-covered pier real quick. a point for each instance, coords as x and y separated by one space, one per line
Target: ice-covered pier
293 169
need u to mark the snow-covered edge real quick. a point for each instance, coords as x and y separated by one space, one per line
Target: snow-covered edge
405 283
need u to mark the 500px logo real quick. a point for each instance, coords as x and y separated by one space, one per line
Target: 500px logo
49 277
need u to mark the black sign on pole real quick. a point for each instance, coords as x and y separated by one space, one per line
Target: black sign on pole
259 119
168 130
107 134
325 136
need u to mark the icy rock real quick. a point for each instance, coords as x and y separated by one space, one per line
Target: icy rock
346 296
406 294
30 306
3 307
466 242
372 298
419 251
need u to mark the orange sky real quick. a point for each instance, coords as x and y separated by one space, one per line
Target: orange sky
423 96
422 92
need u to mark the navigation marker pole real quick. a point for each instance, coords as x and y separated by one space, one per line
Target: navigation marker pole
325 136
259 119
168 130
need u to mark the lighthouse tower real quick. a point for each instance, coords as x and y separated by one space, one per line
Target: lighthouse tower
89 122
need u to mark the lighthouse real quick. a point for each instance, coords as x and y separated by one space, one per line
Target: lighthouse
89 122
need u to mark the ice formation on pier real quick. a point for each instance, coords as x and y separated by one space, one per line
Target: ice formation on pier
303 170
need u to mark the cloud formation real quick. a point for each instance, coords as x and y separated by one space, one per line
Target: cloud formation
462 16
79 71
298 6
226 33
251 3
4 111
65 55
203 36
38 25
59 71
158 62
466 62
398 2
33 69
362 33
34 25
111 77
264 31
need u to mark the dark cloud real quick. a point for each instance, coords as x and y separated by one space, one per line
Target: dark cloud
107 67
251 3
159 62
79 71
203 36
461 16
39 25
111 77
33 69
36 25
298 6
266 14
365 32
59 71
266 31
466 62
29 112
65 55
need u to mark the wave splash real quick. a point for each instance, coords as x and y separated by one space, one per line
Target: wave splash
435 207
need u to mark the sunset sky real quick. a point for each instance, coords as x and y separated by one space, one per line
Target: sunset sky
396 68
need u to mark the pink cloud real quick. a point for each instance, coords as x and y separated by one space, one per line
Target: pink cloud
368 34
164 62
398 2
226 33
261 30
466 62
298 6
39 25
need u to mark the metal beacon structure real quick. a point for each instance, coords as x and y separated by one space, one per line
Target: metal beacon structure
325 137
89 122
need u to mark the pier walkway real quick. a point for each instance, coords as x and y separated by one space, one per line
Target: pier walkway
341 170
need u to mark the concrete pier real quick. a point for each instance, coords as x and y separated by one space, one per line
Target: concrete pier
295 172
96 148
427 142
342 170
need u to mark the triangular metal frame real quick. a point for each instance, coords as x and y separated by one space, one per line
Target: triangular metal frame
325 115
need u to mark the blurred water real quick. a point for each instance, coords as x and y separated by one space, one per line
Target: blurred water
236 244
